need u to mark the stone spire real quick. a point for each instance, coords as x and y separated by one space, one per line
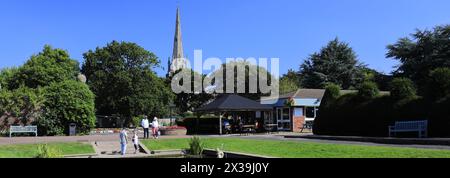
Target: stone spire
178 60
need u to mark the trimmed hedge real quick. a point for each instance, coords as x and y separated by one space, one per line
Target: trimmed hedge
350 115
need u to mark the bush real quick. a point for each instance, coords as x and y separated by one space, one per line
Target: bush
45 151
403 88
136 121
368 90
333 91
196 146
439 83
67 102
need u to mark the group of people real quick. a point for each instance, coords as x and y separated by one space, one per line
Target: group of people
146 125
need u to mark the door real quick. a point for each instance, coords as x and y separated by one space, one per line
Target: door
284 119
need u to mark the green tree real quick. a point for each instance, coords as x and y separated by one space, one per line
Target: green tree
403 88
439 84
425 51
186 102
289 82
67 102
251 72
368 90
120 75
336 63
50 65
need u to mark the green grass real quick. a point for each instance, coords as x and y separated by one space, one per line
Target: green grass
293 149
30 150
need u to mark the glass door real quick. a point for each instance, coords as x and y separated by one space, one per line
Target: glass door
284 119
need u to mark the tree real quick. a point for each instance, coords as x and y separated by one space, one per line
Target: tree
403 88
6 77
425 51
67 102
186 102
121 77
289 82
252 77
50 65
336 63
439 84
287 85
368 90
382 80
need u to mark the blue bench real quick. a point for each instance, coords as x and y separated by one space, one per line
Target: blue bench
410 126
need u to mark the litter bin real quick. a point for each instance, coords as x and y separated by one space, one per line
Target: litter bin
72 129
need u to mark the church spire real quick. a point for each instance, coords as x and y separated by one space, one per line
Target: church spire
178 60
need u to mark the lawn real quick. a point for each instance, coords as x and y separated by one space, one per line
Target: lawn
293 149
30 150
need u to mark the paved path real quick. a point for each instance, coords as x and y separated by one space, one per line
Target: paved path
88 138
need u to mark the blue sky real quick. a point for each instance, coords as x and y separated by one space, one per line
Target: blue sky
287 29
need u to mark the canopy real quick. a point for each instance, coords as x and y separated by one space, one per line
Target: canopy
233 102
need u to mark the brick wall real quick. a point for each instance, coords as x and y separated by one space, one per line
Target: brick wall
297 123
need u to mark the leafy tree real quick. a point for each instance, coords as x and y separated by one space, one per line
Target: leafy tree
425 51
50 65
336 63
382 80
439 86
120 74
251 72
67 102
287 85
368 90
6 77
186 102
403 88
289 82
20 107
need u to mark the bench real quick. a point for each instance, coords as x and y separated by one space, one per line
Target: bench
410 126
23 129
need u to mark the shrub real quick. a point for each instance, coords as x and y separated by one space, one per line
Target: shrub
196 146
45 151
403 88
136 121
439 85
368 90
67 102
333 91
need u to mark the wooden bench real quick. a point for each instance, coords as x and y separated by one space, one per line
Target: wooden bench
410 126
22 129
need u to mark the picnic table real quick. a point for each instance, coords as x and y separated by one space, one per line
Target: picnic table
271 127
248 129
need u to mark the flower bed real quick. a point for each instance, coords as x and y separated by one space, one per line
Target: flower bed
173 130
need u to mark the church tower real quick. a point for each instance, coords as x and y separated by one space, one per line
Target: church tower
178 58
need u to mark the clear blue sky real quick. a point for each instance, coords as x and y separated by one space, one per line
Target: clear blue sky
288 29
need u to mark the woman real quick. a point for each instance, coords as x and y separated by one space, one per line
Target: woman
155 128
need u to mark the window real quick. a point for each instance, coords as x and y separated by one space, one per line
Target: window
298 112
286 114
310 112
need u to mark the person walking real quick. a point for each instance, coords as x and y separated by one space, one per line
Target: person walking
123 141
146 125
155 128
136 142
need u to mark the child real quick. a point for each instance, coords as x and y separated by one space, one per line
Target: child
136 142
